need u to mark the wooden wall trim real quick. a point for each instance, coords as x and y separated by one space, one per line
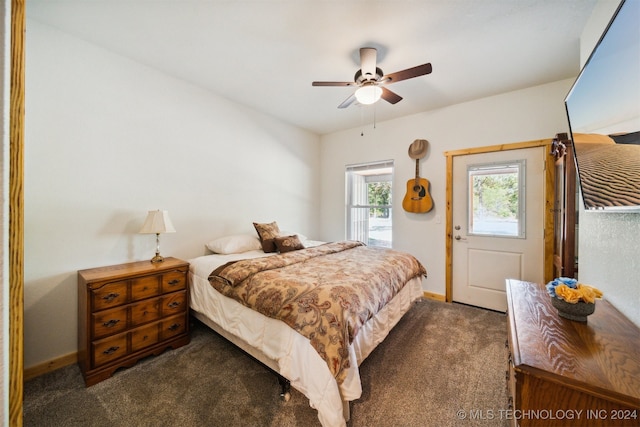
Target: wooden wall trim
16 213
499 147
548 212
448 278
433 296
50 366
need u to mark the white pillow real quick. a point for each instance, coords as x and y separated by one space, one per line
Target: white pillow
234 244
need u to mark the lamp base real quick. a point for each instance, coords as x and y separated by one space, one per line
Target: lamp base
157 258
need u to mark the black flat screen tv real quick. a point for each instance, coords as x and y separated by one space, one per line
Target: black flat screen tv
603 109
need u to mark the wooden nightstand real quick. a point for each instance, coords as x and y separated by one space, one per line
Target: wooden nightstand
130 311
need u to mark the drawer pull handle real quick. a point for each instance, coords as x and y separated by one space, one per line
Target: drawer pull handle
111 323
173 282
111 350
110 297
174 326
174 304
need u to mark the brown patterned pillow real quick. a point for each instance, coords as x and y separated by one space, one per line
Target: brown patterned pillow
267 233
288 243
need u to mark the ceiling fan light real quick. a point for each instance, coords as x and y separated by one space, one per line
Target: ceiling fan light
368 94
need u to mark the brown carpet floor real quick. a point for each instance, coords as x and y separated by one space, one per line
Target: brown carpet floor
442 365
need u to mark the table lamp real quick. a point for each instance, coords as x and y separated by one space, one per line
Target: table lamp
157 222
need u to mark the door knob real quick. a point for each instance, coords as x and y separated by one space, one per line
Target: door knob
457 227
458 237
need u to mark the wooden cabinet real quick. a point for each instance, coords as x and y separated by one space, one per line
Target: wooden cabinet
566 373
565 248
130 311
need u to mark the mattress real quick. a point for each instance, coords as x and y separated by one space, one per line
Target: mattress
287 351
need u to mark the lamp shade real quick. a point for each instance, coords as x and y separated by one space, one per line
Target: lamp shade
368 94
157 222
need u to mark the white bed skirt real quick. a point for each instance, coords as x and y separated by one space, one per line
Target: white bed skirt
290 353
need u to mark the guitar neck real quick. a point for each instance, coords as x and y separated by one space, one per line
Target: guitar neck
417 169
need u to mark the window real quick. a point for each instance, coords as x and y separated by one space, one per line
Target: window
369 203
496 199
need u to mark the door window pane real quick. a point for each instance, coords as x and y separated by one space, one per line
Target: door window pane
496 199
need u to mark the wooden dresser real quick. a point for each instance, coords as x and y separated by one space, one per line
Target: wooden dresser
130 311
566 373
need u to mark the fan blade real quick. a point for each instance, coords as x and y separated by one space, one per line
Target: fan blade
409 73
368 56
348 101
390 97
332 84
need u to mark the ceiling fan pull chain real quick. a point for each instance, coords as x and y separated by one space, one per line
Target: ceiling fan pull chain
374 115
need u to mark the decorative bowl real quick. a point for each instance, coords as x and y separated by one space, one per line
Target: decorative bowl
578 311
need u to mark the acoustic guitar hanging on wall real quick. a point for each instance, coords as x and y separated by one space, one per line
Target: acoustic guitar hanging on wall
417 199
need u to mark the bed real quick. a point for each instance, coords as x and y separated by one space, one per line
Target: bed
326 372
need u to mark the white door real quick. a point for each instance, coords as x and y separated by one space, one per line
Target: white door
498 221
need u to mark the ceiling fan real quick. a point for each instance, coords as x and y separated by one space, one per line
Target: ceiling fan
370 80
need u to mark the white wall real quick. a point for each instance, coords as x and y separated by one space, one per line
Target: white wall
108 139
608 242
524 115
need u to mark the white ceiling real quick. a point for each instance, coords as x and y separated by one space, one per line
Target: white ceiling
265 53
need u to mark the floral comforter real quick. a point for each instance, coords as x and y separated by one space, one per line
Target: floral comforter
326 293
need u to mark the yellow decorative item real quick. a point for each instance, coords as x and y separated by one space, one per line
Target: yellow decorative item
573 300
583 292
589 293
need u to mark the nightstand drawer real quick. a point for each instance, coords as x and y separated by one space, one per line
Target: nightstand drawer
109 295
109 322
145 336
109 349
145 311
174 281
145 287
173 326
174 303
